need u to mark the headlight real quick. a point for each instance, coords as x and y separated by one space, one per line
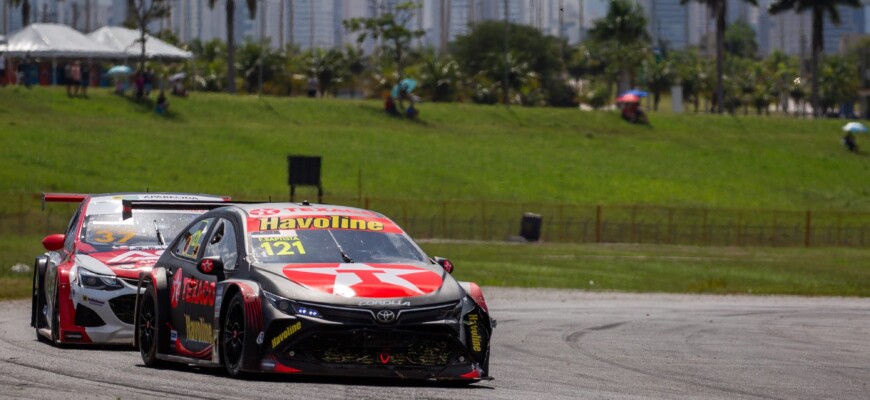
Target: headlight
91 280
290 307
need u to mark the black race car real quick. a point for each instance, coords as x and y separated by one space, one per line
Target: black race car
310 289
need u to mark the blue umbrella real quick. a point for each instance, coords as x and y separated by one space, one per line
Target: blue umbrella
855 127
408 84
119 70
636 92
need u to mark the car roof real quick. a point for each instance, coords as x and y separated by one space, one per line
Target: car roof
302 209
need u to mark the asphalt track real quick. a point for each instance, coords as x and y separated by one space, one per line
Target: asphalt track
548 344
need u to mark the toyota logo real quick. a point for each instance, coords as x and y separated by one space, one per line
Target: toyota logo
386 316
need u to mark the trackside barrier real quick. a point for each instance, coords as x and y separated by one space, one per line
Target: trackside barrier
565 223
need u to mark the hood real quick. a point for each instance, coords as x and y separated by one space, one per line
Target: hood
362 283
123 263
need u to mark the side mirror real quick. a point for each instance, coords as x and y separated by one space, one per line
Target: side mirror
53 242
444 263
211 266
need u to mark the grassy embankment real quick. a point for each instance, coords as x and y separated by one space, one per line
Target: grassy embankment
238 145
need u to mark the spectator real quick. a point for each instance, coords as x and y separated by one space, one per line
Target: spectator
139 81
86 79
149 82
162 106
2 70
313 86
67 77
76 75
849 142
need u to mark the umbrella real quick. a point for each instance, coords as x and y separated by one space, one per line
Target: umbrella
636 92
119 70
628 98
408 84
178 76
855 127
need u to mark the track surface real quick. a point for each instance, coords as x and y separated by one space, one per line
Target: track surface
548 344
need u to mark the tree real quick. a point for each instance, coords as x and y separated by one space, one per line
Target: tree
440 77
781 70
740 40
391 27
25 10
719 9
838 82
660 76
143 12
480 54
231 37
622 39
819 9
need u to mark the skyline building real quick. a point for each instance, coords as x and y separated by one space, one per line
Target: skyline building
318 23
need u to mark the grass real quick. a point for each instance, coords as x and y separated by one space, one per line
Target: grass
238 145
633 268
647 268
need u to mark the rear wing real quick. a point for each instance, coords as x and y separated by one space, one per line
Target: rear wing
127 206
62 198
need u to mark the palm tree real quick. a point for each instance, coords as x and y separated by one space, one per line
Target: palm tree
231 33
819 9
25 10
623 39
719 9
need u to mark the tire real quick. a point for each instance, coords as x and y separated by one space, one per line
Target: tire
146 330
55 322
38 295
232 337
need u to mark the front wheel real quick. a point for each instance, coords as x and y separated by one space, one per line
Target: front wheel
146 330
232 336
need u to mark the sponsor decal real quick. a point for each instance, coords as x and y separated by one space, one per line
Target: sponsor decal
385 316
173 336
197 330
265 211
268 364
177 283
93 301
385 303
133 259
135 256
207 265
260 337
170 197
292 329
218 298
473 329
365 280
330 222
384 358
192 291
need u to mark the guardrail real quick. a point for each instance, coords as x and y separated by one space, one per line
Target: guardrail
20 214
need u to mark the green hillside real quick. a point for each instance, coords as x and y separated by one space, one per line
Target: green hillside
237 145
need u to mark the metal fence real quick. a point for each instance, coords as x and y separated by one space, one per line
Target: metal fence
20 214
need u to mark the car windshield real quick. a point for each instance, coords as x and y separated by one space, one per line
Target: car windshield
109 231
318 246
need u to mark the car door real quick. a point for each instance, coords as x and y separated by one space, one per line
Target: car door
181 271
199 307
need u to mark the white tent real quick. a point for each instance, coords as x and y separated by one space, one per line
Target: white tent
127 41
55 41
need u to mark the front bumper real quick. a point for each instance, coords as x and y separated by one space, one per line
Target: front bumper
106 317
422 343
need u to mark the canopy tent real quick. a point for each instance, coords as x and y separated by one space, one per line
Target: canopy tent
126 41
55 41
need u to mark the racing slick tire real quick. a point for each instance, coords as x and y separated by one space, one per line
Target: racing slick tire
55 321
232 337
37 305
146 331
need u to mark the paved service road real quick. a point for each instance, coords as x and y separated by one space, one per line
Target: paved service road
548 344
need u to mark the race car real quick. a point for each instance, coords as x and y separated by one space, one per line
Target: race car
84 286
310 289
